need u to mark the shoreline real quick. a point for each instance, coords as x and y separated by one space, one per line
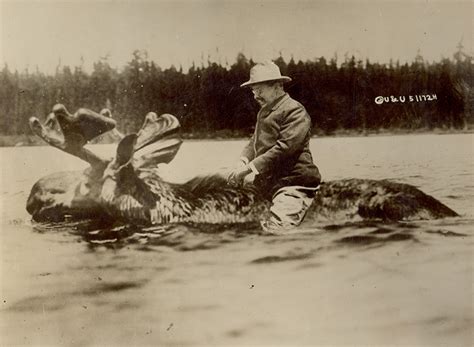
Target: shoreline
32 140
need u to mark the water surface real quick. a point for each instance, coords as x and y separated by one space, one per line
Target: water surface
357 283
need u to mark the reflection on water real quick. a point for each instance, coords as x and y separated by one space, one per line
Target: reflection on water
189 237
181 237
87 283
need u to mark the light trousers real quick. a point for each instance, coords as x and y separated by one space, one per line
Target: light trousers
288 209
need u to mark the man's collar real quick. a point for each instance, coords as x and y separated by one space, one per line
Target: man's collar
272 106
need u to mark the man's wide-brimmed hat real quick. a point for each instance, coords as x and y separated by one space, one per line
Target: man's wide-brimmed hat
265 72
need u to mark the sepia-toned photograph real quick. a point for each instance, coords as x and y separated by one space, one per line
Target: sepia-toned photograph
236 173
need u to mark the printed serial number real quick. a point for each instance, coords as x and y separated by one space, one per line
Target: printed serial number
379 100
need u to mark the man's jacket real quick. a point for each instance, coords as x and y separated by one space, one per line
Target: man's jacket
278 152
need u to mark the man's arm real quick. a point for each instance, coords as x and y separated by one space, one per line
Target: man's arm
236 177
293 133
248 152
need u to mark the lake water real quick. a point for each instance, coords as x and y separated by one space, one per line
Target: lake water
407 284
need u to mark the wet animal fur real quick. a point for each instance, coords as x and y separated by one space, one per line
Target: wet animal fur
129 188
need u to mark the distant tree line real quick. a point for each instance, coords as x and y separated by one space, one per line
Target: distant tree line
207 99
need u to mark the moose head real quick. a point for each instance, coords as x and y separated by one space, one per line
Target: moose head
94 192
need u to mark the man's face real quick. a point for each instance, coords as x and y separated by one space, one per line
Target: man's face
263 93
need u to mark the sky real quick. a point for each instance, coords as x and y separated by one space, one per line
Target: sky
43 34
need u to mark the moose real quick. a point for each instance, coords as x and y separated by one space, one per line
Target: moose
128 188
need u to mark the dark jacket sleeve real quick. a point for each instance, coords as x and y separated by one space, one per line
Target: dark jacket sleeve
249 150
293 132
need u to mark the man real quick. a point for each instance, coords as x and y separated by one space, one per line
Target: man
278 152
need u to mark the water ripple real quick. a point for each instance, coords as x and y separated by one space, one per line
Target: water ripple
192 237
277 258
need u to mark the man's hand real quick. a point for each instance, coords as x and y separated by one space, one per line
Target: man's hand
237 176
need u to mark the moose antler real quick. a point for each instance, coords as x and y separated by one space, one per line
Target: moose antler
158 140
70 133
